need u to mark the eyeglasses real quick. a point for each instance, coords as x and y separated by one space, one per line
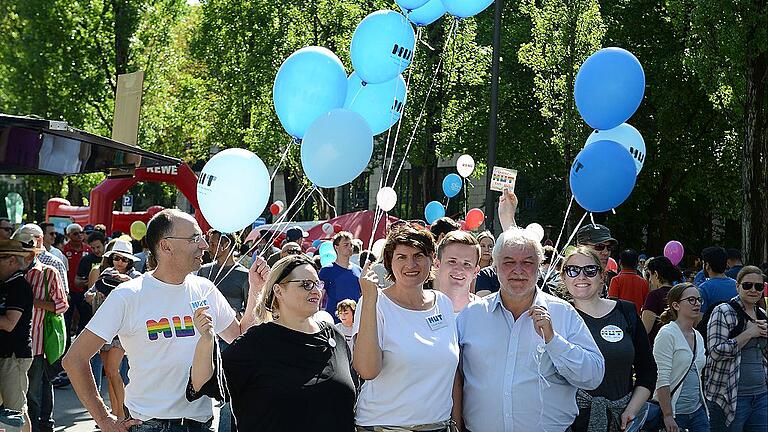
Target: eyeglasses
693 301
757 286
196 239
120 258
573 271
307 284
293 252
601 247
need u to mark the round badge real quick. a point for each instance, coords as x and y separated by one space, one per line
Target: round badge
332 342
611 333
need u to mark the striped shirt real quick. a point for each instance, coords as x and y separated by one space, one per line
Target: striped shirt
37 275
52 260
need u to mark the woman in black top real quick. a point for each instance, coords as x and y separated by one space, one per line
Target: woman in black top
622 340
662 275
289 373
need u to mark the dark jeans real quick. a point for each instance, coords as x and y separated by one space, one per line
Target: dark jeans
694 422
40 394
165 426
751 415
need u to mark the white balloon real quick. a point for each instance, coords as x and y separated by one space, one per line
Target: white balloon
386 198
328 228
280 204
378 247
465 165
233 189
536 231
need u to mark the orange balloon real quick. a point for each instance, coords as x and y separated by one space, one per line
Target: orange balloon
475 218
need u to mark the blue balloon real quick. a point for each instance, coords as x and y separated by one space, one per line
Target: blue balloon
316 243
433 211
609 88
381 105
326 247
327 259
452 185
336 148
628 137
427 14
382 46
602 176
409 5
466 8
311 82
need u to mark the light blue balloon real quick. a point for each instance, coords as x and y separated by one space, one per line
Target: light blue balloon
609 88
427 14
452 185
409 5
602 176
466 8
626 135
382 46
433 211
311 82
381 105
327 259
326 247
336 148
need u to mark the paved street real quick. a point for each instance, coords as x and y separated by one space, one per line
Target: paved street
70 415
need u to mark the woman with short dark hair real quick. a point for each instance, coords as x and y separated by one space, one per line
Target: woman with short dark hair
406 347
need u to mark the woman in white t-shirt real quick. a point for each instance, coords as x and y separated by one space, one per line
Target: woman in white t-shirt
406 346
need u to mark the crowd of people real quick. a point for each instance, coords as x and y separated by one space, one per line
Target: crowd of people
447 330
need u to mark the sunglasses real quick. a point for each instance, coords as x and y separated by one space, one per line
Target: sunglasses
307 284
757 286
693 301
573 271
601 247
120 258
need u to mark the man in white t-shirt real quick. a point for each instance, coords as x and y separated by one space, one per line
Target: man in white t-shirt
152 315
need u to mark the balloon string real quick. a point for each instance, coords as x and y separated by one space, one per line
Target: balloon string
556 259
423 107
278 223
592 218
282 159
322 197
560 236
351 104
400 121
377 217
465 181
232 243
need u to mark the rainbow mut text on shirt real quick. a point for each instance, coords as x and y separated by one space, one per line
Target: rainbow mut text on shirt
180 328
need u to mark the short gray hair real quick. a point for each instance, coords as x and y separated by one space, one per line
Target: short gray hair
516 238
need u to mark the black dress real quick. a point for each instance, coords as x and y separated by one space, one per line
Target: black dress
280 379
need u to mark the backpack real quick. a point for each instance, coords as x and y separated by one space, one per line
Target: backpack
741 320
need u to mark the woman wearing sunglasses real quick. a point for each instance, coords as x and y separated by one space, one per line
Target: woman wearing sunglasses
737 337
116 267
406 347
289 373
619 334
678 402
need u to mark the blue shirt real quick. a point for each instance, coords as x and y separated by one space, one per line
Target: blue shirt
508 382
340 283
715 290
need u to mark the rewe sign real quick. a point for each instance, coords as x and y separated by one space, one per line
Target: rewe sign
168 169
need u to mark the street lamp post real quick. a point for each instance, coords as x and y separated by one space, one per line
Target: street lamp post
490 210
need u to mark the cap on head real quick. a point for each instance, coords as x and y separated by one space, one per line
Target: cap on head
594 234
295 233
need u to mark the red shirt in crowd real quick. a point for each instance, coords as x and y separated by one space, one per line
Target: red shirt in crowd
73 257
628 285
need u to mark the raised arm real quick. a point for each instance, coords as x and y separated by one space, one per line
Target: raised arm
367 359
507 209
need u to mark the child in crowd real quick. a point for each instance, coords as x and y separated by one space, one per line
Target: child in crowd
345 310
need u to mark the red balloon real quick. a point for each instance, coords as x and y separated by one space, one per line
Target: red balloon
612 265
475 218
337 228
274 209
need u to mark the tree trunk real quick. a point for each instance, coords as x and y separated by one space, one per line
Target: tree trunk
123 33
754 172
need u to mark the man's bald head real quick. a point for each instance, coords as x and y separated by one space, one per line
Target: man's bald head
161 226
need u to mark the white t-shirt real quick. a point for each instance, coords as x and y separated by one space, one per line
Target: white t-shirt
419 362
348 332
154 322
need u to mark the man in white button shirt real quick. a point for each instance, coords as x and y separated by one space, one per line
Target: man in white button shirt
523 352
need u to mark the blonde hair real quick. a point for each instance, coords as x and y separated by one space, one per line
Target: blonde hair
346 304
268 306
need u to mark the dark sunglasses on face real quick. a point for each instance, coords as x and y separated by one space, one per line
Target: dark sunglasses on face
573 271
601 247
693 301
757 286
120 258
